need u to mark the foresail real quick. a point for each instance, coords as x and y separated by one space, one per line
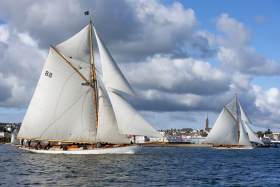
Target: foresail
78 46
232 108
112 75
128 119
243 140
244 117
61 108
107 125
224 131
252 136
14 139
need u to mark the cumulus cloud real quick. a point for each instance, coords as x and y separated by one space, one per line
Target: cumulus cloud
235 53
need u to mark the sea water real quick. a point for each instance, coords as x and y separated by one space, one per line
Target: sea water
163 166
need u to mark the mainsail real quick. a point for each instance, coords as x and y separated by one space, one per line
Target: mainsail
252 136
243 140
224 131
232 108
61 108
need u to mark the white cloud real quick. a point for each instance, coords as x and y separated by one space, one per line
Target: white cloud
259 19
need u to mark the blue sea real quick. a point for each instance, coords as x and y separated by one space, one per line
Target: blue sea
162 166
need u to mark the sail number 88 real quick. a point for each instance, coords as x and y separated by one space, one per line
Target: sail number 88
49 74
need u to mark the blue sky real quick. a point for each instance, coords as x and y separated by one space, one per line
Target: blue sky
149 35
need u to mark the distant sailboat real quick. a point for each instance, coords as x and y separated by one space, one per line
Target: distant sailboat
228 131
14 140
65 108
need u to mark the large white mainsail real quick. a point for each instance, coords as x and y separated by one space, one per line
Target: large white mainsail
112 75
78 46
61 108
252 136
107 124
243 140
224 131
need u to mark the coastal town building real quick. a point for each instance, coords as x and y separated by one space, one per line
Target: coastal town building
207 129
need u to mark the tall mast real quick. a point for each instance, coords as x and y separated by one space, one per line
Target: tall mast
94 82
237 121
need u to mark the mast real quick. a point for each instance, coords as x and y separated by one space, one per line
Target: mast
94 82
237 121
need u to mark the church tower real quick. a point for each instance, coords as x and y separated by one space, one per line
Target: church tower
207 129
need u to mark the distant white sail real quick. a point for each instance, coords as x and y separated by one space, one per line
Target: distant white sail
224 131
244 117
78 46
107 124
112 75
252 136
243 140
232 108
128 119
14 139
61 108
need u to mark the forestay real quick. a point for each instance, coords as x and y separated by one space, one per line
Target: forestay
112 75
128 119
252 136
78 46
243 140
61 108
224 131
107 125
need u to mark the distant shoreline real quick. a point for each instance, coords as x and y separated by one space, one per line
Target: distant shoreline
176 145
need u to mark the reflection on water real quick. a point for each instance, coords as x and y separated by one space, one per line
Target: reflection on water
161 166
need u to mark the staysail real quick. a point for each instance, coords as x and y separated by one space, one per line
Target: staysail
78 46
224 131
112 75
128 119
61 108
107 125
243 140
252 136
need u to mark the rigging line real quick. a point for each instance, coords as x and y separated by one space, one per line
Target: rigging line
230 114
64 113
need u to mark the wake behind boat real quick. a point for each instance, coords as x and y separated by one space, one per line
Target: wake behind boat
65 105
228 132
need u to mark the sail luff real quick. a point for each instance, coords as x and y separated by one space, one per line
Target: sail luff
244 116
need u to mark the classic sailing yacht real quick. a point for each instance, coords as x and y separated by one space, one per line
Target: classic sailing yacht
65 108
228 131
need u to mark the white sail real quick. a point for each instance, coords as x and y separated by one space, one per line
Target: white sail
78 46
252 136
244 117
14 139
107 124
61 108
243 140
232 108
224 131
112 75
128 119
